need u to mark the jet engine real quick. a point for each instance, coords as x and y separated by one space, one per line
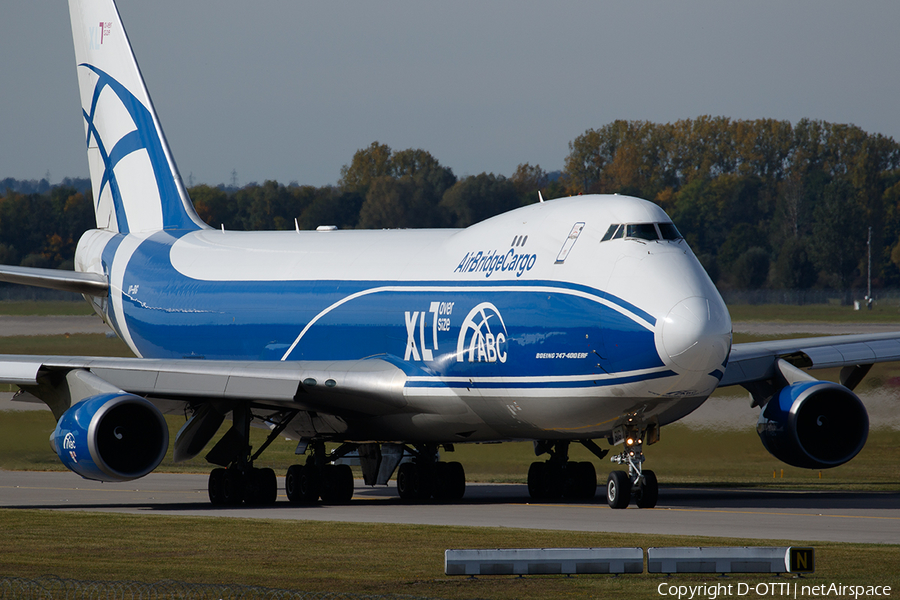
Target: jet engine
814 425
111 437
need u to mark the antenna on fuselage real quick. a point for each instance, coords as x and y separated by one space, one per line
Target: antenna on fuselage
540 198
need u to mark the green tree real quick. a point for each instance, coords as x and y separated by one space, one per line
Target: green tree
367 165
839 232
793 269
330 206
528 181
751 269
408 192
477 198
396 203
215 206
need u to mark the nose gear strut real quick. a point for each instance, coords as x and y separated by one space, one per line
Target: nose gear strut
637 482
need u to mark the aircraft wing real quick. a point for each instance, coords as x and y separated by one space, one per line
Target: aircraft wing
756 361
360 387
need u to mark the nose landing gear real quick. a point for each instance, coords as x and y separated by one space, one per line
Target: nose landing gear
637 482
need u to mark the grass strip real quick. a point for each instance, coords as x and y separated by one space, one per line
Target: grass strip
69 344
362 558
812 313
25 308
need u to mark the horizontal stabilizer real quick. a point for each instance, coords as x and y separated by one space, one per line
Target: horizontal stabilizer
91 284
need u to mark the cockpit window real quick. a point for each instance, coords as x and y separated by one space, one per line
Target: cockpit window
641 231
611 232
669 232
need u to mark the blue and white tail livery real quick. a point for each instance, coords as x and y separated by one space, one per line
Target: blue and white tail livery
567 321
136 184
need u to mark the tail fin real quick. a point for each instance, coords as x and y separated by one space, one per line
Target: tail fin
136 184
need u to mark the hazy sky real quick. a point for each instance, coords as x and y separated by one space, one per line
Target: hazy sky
289 90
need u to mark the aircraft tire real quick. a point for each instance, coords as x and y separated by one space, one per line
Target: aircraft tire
407 484
618 489
232 487
449 481
215 486
539 480
262 487
581 481
648 490
456 476
292 484
310 484
337 484
442 481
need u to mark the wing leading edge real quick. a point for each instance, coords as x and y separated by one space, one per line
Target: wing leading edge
368 387
757 361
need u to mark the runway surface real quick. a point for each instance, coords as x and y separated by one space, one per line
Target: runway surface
865 517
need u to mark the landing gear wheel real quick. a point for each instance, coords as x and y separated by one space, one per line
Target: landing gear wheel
337 484
449 481
216 481
262 487
539 481
302 484
309 485
232 487
618 489
581 481
292 484
408 481
456 481
648 490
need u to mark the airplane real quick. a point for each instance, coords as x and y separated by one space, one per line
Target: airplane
567 321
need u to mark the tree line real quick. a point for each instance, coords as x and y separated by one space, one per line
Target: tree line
763 203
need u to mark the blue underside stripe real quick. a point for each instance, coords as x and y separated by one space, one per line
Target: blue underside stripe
519 385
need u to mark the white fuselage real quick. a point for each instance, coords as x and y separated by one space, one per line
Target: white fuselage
527 325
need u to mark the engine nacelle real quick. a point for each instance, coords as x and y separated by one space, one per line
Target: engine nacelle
111 437
814 425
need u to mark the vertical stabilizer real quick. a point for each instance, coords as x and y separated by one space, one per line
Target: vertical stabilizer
135 182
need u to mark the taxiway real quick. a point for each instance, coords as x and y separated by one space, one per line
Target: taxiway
862 517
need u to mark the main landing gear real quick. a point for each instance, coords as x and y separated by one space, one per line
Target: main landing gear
637 482
558 477
426 477
241 482
305 484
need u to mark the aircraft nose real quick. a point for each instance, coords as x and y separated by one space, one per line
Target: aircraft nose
696 334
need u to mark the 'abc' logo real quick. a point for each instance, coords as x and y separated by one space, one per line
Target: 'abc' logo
482 337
